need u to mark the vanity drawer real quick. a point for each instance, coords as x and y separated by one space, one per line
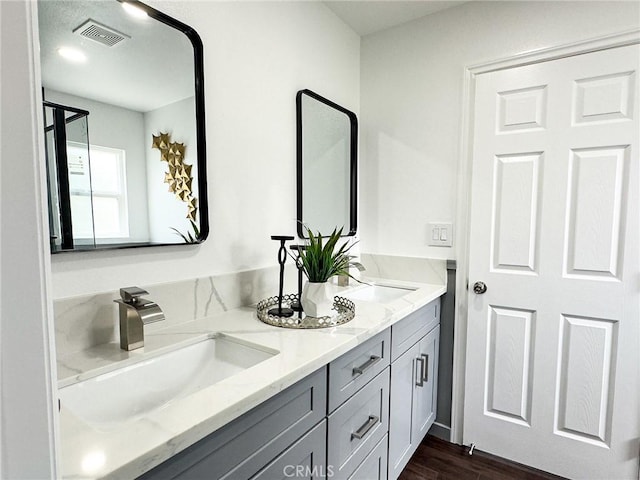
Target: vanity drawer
307 458
357 426
374 467
243 447
354 369
413 327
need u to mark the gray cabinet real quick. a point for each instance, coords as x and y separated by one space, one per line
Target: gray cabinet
425 391
304 459
401 443
374 466
242 448
413 327
359 418
357 426
353 370
413 391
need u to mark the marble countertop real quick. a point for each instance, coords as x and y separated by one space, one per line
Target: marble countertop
128 449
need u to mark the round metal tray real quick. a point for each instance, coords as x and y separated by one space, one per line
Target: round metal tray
344 311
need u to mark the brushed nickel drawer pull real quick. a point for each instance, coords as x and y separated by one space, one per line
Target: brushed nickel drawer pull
420 382
425 372
366 365
364 429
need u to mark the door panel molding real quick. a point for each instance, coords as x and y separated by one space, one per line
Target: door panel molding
516 187
508 382
596 194
521 110
607 98
586 345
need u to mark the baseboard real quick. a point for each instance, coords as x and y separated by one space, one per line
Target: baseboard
441 431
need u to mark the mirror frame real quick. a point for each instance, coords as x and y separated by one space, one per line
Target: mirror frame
353 163
201 156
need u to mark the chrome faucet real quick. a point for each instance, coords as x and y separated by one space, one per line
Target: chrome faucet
135 312
343 280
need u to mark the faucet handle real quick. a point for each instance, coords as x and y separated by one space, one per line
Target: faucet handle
358 265
131 294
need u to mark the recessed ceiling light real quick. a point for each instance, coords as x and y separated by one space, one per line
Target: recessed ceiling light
72 54
134 10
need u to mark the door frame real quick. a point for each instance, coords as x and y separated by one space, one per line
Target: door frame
463 208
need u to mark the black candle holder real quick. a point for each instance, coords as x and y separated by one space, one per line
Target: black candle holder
296 305
282 258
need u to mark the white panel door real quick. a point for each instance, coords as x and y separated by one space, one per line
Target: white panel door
552 371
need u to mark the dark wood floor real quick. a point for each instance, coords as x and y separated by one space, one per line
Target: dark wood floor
437 459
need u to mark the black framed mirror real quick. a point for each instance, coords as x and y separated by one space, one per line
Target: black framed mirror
123 90
327 165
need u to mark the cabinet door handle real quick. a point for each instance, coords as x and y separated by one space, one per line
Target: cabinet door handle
420 382
425 372
366 365
364 429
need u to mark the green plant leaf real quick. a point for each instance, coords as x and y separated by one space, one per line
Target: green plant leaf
188 237
323 259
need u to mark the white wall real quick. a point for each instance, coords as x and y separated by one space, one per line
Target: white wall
165 209
27 419
257 55
411 105
117 127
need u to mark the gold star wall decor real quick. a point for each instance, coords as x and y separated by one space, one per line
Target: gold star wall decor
177 149
179 176
161 141
191 206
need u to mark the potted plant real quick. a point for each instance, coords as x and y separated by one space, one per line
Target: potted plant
188 237
320 260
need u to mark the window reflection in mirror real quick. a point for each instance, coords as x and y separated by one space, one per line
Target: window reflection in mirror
134 76
107 192
327 136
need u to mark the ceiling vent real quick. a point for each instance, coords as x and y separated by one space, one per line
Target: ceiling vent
100 33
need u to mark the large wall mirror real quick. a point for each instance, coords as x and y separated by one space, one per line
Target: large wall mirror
327 150
124 126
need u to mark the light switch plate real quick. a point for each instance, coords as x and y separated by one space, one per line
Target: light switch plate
440 234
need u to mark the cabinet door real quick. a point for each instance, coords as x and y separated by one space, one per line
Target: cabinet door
426 391
374 467
403 384
307 458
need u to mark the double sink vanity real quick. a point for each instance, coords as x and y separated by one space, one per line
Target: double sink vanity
226 396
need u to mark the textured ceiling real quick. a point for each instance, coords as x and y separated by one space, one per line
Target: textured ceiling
152 68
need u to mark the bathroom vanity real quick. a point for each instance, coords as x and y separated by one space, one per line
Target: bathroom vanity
352 401
368 408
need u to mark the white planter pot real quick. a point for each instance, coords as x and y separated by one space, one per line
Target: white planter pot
317 299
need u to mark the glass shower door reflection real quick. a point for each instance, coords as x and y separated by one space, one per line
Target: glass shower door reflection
71 218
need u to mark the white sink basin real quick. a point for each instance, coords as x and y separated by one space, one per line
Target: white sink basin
379 293
135 390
